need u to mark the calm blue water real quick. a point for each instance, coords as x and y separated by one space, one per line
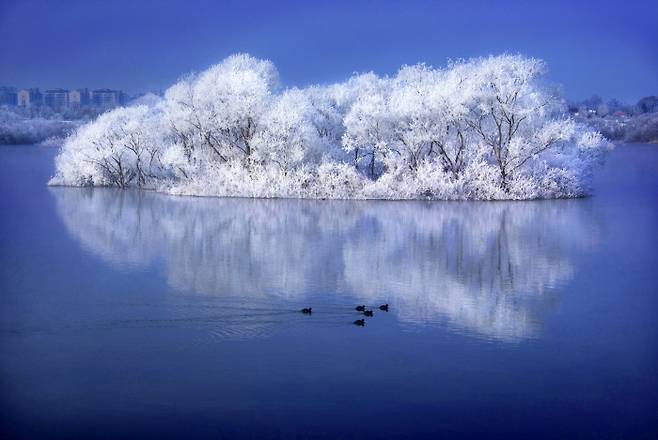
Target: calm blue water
127 314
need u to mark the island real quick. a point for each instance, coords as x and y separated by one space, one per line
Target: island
487 128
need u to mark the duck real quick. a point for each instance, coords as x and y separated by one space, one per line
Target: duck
367 313
307 310
384 307
360 322
360 308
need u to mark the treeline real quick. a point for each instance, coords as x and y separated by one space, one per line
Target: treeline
39 123
487 128
17 127
618 121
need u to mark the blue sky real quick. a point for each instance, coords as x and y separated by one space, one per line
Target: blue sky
604 47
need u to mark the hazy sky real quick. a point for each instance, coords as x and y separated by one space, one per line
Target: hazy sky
604 47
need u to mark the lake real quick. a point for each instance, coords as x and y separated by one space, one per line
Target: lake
128 314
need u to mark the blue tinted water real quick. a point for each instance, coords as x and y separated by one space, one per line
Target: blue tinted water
126 314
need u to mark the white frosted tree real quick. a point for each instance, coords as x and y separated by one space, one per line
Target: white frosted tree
121 148
368 123
487 128
287 135
427 109
218 111
327 118
512 114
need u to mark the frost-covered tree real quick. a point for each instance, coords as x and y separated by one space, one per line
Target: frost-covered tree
287 136
368 122
121 148
327 118
512 114
428 111
218 111
486 128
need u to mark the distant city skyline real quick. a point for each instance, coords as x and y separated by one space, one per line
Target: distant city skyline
62 99
606 48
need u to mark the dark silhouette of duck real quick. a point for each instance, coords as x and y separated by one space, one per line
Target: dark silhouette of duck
360 322
360 308
384 307
367 312
307 310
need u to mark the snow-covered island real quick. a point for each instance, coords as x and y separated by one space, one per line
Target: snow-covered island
486 128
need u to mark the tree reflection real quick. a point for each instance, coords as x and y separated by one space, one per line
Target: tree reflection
489 268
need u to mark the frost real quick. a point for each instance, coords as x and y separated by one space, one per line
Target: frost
17 129
487 128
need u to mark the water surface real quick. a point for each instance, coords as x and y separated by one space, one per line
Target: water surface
128 313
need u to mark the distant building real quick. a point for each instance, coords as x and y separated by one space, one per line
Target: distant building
8 96
107 98
79 98
60 99
56 98
29 98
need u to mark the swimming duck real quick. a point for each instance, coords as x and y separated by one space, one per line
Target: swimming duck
367 312
384 307
360 322
360 308
307 311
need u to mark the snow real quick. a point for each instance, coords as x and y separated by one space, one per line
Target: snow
486 128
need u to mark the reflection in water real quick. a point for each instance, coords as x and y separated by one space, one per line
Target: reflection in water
482 267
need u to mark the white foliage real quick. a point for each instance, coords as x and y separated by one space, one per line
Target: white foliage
486 128
288 135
